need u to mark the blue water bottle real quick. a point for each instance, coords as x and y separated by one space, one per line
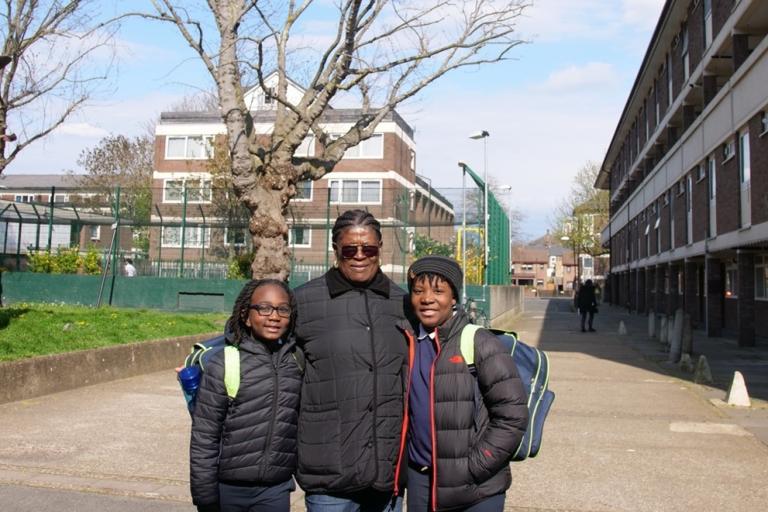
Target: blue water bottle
189 378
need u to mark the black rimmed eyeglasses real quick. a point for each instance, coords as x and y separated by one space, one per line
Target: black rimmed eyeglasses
267 309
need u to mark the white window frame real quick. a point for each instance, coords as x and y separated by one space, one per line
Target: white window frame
745 169
708 28
298 199
729 150
761 274
184 181
306 245
686 56
189 243
670 84
207 141
94 233
701 172
763 123
353 153
340 197
227 243
24 198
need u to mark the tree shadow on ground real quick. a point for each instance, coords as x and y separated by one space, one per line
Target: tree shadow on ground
9 313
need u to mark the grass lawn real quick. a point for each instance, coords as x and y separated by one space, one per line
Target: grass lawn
28 330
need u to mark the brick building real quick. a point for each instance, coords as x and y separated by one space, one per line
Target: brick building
378 175
687 171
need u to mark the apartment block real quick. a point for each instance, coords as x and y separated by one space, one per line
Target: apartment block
687 171
378 175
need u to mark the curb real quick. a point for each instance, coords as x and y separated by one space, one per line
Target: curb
37 376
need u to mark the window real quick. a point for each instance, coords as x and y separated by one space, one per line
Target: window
670 90
712 178
656 102
369 148
744 160
413 160
763 123
701 172
729 150
307 147
189 147
235 236
269 95
681 187
94 233
761 277
731 284
300 236
356 191
198 190
686 58
541 267
24 198
526 266
666 198
171 236
303 190
707 23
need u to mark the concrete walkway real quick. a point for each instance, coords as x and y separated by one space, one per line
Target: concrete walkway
626 433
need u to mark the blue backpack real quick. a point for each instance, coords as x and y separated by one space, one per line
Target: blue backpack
533 368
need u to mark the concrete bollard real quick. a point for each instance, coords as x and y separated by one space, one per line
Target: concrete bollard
622 328
702 374
651 325
687 342
686 363
663 330
737 392
676 337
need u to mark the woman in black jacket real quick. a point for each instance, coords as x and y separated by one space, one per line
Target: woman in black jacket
243 450
587 302
352 396
462 428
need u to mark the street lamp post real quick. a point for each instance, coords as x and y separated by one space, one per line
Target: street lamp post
463 232
475 136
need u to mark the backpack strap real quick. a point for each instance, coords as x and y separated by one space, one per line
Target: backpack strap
231 370
467 344
298 355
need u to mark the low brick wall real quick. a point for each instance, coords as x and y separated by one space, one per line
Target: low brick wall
36 376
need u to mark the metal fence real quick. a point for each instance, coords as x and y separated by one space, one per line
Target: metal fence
197 231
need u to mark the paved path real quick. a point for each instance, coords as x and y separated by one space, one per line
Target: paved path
626 433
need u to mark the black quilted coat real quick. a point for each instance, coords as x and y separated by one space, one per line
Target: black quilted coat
478 422
251 440
352 397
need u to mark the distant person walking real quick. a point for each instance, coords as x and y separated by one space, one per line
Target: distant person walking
587 304
129 269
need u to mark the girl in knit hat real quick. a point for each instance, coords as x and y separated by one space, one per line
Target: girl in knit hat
461 427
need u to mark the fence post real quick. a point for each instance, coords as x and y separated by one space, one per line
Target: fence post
18 241
160 241
183 229
37 227
50 220
327 224
202 242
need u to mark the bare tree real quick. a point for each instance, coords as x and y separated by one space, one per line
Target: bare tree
583 215
55 53
381 52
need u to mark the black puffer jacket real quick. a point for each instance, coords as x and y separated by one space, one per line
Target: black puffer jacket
478 422
251 440
352 397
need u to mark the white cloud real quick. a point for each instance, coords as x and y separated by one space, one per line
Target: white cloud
81 130
590 75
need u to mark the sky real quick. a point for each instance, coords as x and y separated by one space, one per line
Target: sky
549 110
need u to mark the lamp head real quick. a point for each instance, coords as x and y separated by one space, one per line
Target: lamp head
480 135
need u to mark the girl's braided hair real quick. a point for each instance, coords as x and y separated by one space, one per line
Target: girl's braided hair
355 218
236 323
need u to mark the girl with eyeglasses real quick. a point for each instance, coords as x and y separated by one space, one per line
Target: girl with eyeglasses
352 397
243 450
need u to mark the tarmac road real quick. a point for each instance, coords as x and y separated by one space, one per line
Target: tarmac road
624 434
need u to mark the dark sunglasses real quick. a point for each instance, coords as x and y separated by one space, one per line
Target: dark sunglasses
350 251
267 309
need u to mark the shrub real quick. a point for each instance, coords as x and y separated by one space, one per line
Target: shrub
239 267
39 261
92 262
67 260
